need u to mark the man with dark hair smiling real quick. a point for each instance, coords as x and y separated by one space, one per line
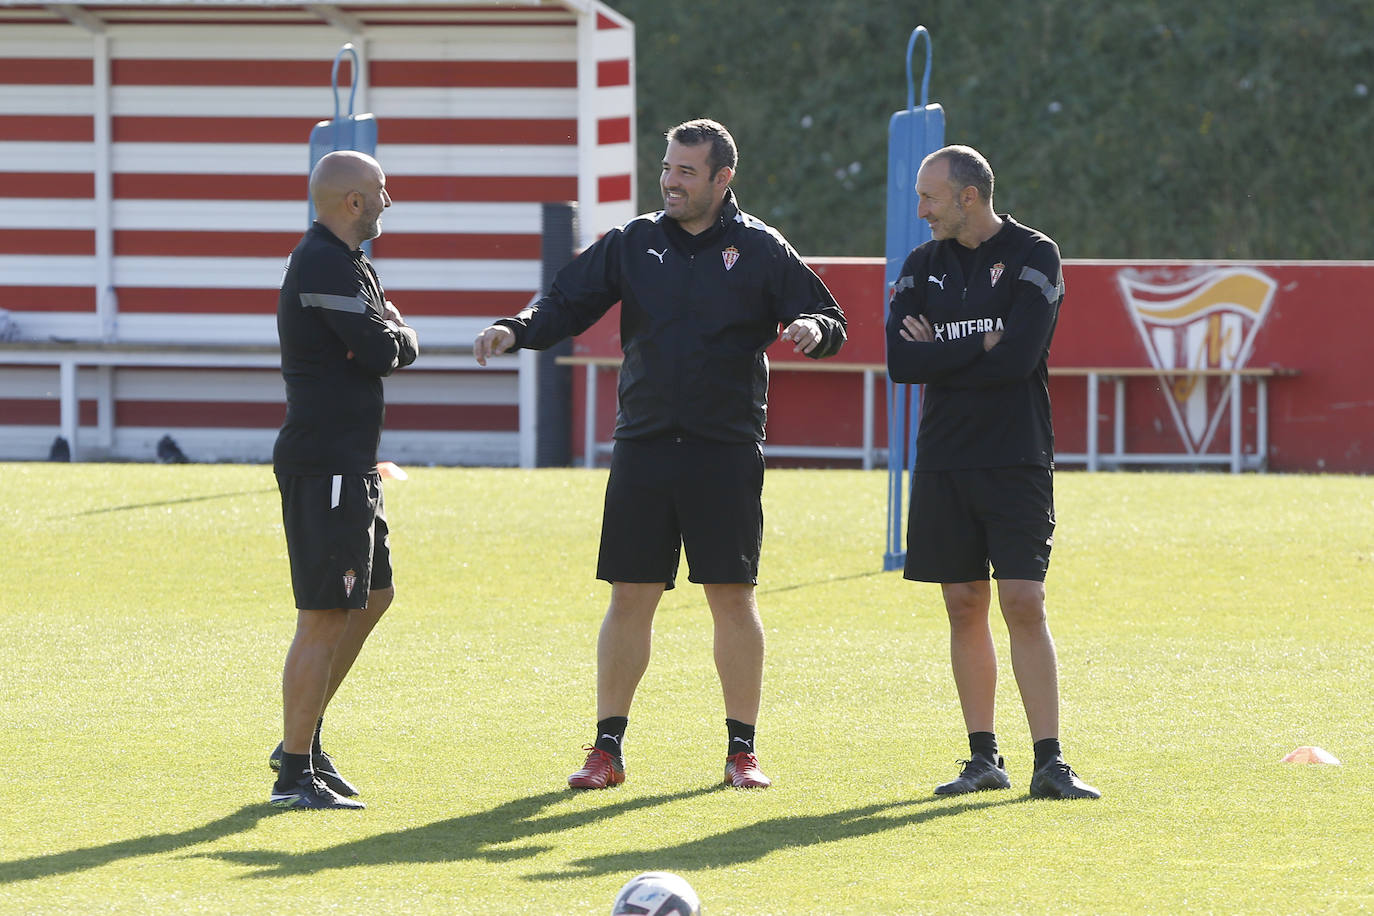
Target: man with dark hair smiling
704 288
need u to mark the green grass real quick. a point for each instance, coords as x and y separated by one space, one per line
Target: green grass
1206 624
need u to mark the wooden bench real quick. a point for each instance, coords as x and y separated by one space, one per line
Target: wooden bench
1092 457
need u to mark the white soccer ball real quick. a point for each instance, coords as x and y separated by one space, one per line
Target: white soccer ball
656 893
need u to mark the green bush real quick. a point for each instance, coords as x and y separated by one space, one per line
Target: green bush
1166 129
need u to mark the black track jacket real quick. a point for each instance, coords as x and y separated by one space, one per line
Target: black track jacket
697 312
336 346
981 410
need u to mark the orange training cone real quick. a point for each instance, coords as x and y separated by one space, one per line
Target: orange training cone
1309 754
390 471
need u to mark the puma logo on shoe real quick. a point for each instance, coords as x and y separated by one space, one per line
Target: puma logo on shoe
613 738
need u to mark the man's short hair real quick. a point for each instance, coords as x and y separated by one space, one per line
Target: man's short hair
967 168
704 130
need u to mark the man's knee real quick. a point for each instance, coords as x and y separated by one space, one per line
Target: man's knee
630 600
732 601
1022 601
322 629
966 602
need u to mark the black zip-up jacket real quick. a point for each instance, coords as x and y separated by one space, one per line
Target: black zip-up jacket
697 313
981 409
336 346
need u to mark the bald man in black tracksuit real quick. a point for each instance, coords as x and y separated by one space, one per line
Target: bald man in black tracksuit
972 316
340 337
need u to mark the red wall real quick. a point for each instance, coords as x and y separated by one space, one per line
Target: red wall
1319 322
1316 318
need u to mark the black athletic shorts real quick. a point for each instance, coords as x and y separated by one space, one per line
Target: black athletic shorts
664 494
336 537
962 521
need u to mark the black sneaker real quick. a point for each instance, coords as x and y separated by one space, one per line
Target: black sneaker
311 793
979 773
324 768
1057 779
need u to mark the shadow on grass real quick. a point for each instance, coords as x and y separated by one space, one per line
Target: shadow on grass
487 836
482 835
168 502
754 841
826 581
74 860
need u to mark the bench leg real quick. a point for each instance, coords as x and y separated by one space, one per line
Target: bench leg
71 405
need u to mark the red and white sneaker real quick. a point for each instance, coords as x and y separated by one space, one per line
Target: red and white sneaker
742 771
600 770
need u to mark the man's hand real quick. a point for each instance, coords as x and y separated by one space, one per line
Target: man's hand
916 329
493 341
990 339
805 333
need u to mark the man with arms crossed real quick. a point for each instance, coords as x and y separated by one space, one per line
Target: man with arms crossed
972 315
339 338
703 288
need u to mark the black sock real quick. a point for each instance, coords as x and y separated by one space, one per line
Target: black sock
315 742
610 735
1046 751
984 744
294 768
741 738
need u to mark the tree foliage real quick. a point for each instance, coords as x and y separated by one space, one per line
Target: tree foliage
1151 129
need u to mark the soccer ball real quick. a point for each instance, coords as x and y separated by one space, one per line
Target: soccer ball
656 893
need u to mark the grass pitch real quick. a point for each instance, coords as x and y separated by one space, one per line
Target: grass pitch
1207 625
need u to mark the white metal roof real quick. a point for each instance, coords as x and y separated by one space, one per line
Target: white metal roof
350 15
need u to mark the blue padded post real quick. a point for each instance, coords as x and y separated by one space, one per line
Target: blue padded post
912 134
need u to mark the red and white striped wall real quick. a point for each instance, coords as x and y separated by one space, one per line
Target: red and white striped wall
153 163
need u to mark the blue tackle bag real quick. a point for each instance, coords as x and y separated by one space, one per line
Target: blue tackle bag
349 131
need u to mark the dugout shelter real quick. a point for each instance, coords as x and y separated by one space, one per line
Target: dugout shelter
153 163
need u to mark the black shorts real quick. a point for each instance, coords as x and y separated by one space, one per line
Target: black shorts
336 537
664 494
962 521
